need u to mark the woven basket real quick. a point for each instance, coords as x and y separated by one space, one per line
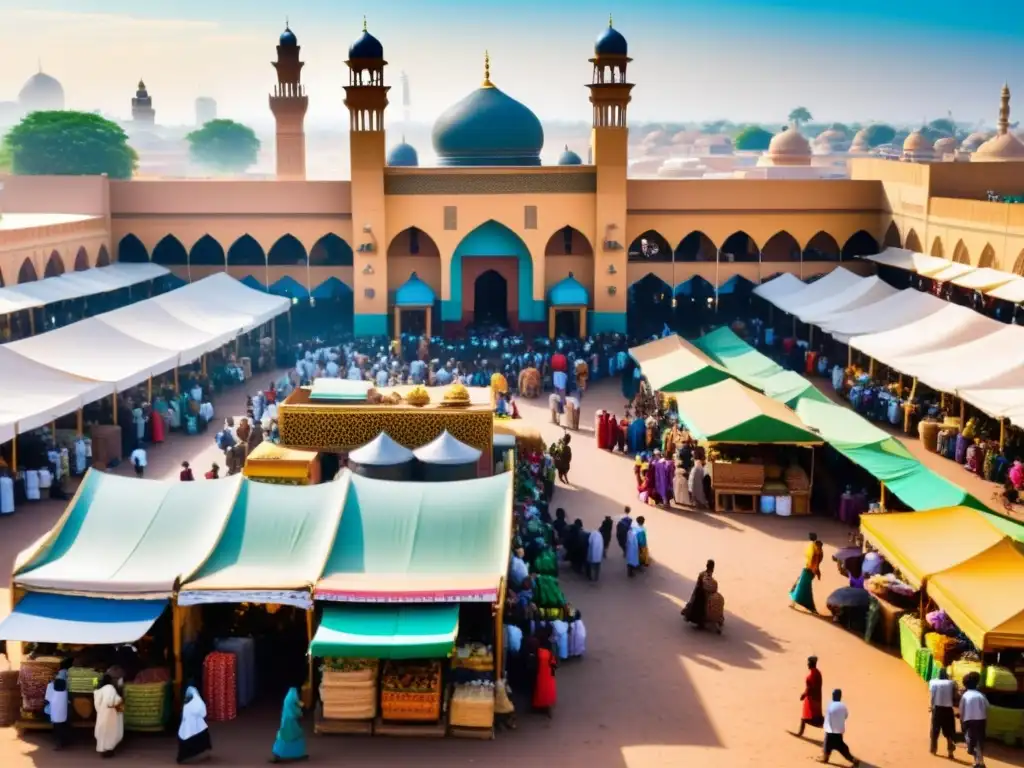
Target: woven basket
145 705
474 713
928 432
10 706
83 706
8 680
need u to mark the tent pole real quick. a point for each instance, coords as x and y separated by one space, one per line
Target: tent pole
583 322
881 498
14 459
499 633
308 697
149 390
430 312
176 390
79 426
1002 434
32 322
203 364
179 670
963 413
871 367
849 356
273 336
113 407
810 335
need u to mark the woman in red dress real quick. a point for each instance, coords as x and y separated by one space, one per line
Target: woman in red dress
545 689
811 697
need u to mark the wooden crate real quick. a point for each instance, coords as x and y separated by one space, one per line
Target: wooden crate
739 476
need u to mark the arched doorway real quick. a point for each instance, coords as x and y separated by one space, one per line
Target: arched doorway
103 257
860 243
490 300
54 266
169 252
287 252
696 246
27 272
131 250
781 247
937 249
246 252
650 246
740 247
961 254
207 252
892 236
410 251
492 246
988 258
649 306
822 247
913 242
82 260
330 251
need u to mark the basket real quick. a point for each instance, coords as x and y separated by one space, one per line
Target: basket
146 705
8 679
418 707
10 705
472 713
83 706
737 476
928 432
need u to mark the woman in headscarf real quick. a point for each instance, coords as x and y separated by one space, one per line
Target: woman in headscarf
695 484
545 688
680 485
109 728
802 593
811 713
696 610
290 744
193 734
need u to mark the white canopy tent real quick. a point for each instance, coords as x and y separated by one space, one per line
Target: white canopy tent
919 263
949 326
152 324
868 291
999 401
951 272
779 286
1013 291
76 285
984 279
897 309
973 364
221 297
834 282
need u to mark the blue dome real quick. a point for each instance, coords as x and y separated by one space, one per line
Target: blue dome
288 38
403 155
611 43
568 293
414 293
568 157
488 127
366 47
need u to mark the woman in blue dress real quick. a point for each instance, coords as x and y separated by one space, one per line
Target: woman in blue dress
290 744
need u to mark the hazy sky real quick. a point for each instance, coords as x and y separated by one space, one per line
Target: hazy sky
693 59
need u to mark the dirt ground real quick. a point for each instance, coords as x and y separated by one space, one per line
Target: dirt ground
650 692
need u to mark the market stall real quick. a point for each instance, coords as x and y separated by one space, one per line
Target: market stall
672 364
445 459
272 463
382 458
751 440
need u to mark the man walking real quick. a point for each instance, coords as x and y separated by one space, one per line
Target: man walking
595 554
940 691
973 717
835 730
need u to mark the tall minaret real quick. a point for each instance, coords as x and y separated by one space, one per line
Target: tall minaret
1003 126
366 97
610 94
289 103
406 102
142 107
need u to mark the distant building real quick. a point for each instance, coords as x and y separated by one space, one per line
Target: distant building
206 110
41 93
143 113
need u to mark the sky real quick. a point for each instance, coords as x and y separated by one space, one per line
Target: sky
694 60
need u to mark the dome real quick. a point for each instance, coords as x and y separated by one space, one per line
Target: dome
488 127
611 42
568 157
916 142
790 142
1000 148
403 155
860 141
975 140
945 146
414 293
568 292
288 38
42 93
366 47
831 136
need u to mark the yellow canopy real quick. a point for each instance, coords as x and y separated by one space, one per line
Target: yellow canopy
984 596
525 433
921 544
269 460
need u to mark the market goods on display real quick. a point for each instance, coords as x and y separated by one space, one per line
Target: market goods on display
10 697
1000 679
35 675
546 563
411 691
146 705
472 705
83 680
220 686
944 648
547 593
348 689
474 656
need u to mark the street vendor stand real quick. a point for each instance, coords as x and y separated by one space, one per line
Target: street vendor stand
728 413
672 364
272 463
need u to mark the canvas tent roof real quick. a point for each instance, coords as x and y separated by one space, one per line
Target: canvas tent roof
76 285
984 596
382 451
75 620
951 272
921 544
1013 291
420 542
219 303
150 323
833 283
858 295
729 412
893 311
1000 402
273 548
950 326
999 355
919 263
780 286
674 365
124 536
386 632
447 450
984 279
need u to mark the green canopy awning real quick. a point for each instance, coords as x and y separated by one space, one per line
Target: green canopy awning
674 365
729 412
734 354
386 631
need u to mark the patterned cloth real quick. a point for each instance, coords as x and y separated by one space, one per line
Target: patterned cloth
220 686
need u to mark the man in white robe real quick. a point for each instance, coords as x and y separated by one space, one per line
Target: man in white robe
632 551
109 728
595 554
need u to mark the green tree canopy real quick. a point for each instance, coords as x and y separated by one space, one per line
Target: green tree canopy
224 145
753 138
70 144
878 134
943 127
800 115
6 160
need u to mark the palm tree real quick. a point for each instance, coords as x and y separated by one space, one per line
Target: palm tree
800 115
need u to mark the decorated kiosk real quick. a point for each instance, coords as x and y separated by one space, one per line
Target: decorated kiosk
414 297
382 458
568 297
272 463
446 459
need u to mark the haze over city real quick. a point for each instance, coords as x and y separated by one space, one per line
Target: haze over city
734 59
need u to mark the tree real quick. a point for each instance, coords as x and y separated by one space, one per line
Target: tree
943 127
68 143
753 138
879 134
224 145
799 116
5 156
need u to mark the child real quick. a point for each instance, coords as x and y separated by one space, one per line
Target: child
57 707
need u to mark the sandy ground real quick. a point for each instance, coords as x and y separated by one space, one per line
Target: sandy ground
650 692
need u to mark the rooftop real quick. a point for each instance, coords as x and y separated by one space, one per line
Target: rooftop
12 221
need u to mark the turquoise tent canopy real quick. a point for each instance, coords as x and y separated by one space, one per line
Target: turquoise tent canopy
689 286
331 288
734 284
252 282
568 292
386 632
78 620
290 287
415 293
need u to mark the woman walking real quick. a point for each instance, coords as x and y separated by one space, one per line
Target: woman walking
545 689
290 745
109 728
802 593
193 734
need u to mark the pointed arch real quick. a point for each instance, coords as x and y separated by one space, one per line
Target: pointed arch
1018 265
246 252
913 242
81 259
27 273
860 243
54 266
781 247
650 246
960 253
649 306
130 250
103 257
739 247
331 251
287 252
411 241
494 240
169 252
206 252
937 249
696 246
822 247
892 236
568 241
988 257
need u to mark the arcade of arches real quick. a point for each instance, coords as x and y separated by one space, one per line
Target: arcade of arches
739 247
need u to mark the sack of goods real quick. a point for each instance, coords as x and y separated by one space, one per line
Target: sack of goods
348 689
146 705
472 705
35 675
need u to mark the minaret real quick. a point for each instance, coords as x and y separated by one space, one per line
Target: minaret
1003 126
142 107
289 103
366 97
609 95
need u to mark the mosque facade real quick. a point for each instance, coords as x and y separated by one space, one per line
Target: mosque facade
490 235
